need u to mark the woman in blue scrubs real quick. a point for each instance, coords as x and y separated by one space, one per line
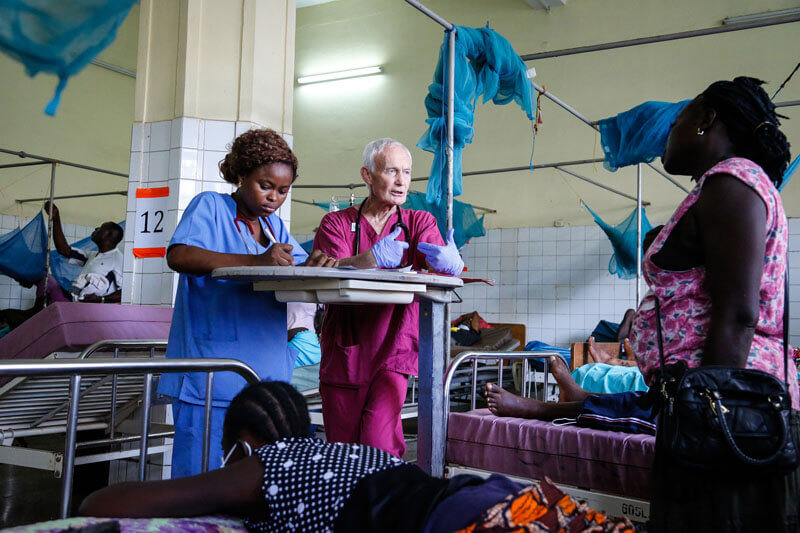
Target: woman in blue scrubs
219 318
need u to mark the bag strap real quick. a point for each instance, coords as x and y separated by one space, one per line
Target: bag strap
786 321
726 430
660 334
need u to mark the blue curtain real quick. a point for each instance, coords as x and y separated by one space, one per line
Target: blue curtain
23 251
638 135
485 64
59 36
623 240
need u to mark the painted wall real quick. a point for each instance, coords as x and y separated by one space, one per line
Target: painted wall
333 121
92 126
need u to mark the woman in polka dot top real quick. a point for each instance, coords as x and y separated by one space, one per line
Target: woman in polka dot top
277 478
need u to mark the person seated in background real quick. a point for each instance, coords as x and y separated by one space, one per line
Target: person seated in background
278 478
100 280
302 333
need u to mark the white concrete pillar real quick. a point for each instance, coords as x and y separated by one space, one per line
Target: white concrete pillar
207 71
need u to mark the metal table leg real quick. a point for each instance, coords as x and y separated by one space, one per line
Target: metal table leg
430 427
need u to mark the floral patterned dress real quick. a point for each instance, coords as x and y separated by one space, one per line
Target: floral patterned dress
686 303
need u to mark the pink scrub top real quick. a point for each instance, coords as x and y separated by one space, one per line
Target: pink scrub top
358 341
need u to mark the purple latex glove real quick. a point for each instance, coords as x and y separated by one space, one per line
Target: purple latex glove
444 259
388 252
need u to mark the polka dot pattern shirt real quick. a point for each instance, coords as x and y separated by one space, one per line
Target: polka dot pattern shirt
307 481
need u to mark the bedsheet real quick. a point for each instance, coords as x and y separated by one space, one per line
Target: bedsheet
608 461
69 326
218 524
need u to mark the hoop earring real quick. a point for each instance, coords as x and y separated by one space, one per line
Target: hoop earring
700 132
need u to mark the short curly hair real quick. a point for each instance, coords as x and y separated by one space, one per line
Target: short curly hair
253 149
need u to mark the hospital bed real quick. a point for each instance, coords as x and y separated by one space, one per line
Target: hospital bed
88 382
609 470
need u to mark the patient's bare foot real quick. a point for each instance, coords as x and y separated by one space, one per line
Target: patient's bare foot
598 354
504 403
568 389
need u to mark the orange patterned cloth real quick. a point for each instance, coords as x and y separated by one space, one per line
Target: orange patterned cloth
544 508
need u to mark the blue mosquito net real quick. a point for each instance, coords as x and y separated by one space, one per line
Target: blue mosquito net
23 251
465 222
58 36
485 64
623 240
638 135
789 172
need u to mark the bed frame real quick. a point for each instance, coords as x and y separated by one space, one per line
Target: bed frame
57 395
636 509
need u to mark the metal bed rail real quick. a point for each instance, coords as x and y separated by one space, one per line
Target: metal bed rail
476 356
76 370
30 407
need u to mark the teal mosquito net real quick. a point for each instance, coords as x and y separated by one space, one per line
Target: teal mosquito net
59 36
623 241
466 223
23 251
638 135
485 64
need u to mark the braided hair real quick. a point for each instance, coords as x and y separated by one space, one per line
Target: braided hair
270 410
752 123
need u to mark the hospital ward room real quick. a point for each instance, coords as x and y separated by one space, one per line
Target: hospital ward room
434 266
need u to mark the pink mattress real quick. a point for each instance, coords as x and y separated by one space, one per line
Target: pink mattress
71 327
608 461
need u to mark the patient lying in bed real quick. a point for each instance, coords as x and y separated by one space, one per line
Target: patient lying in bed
278 478
571 394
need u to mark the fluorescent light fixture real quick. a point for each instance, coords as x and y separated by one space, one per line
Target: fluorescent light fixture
341 75
762 16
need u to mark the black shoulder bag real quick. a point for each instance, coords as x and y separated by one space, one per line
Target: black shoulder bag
718 418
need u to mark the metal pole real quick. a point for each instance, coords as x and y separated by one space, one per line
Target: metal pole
114 381
662 38
31 164
451 82
207 420
87 195
50 222
598 184
60 162
638 234
69 444
788 103
430 14
474 384
556 100
146 401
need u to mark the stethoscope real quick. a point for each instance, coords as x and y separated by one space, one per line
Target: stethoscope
398 224
270 234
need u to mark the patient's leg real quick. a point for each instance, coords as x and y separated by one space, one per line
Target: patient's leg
568 388
503 403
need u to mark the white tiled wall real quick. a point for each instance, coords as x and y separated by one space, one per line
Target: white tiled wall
12 294
553 280
182 154
556 281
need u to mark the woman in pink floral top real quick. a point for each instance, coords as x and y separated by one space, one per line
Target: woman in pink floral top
717 268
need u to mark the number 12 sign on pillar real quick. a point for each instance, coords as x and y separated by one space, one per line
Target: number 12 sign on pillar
150 240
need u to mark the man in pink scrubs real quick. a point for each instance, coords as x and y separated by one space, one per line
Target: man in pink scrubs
368 351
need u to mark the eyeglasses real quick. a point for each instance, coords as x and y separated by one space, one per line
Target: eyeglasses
248 451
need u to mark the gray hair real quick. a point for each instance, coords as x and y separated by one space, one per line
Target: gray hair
376 147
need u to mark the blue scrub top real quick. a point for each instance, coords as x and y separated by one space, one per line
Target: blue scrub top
221 318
